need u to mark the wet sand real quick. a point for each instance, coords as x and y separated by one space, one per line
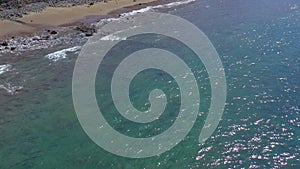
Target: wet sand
61 16
14 28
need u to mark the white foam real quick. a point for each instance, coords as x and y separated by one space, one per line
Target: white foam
294 7
11 89
112 37
5 68
174 4
146 9
149 8
134 12
62 54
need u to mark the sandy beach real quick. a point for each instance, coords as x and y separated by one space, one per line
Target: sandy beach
61 16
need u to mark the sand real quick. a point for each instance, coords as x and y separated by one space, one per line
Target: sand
61 16
13 28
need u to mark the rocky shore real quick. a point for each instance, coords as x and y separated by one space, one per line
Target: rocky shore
13 9
40 35
71 24
51 40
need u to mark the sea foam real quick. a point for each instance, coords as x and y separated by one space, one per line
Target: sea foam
146 9
5 68
149 8
62 54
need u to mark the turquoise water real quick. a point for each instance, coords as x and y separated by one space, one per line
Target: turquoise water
258 43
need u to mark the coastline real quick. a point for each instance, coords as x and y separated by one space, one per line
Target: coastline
70 31
55 17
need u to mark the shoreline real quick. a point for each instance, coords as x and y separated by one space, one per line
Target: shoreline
56 17
27 37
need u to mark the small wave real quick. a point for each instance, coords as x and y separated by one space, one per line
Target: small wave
149 8
11 89
294 7
5 68
174 4
62 54
112 37
146 9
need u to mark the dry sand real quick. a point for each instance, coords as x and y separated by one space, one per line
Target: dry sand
61 16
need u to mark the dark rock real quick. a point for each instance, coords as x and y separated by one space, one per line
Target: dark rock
90 33
18 89
86 28
4 44
53 32
13 9
13 48
36 38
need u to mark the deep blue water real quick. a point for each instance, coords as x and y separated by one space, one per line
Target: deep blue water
258 43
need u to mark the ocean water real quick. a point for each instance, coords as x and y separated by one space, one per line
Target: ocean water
259 45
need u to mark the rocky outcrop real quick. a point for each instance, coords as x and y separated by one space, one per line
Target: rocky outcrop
13 9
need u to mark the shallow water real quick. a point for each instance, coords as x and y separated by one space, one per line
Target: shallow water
258 42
